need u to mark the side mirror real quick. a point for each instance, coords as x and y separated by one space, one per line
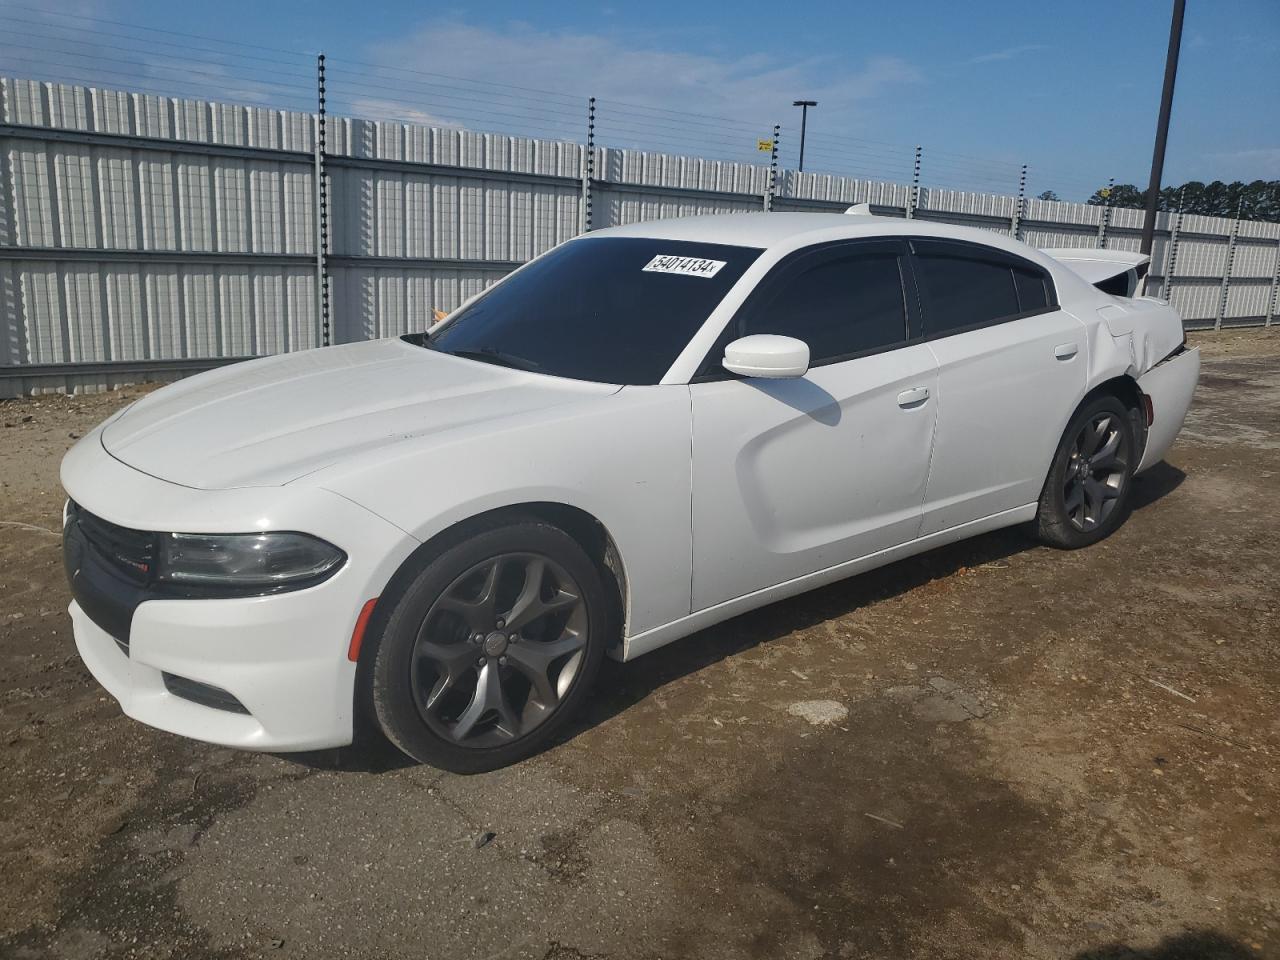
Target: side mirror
767 355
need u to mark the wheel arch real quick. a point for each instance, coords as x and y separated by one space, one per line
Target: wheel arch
1124 388
588 531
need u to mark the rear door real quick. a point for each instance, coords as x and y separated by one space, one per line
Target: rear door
1011 367
793 476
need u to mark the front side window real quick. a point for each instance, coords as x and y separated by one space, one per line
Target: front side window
606 309
963 286
841 302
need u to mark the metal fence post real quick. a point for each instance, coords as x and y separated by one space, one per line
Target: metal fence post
773 170
1226 276
588 168
322 209
1275 288
913 198
1171 255
1106 213
1015 228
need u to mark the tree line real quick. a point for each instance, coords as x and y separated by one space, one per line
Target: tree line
1259 200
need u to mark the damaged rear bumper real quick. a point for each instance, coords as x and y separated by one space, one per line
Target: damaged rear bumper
1168 386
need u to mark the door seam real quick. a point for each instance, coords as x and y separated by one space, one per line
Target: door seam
933 437
693 552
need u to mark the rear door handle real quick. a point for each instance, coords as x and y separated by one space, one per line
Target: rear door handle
1065 351
913 397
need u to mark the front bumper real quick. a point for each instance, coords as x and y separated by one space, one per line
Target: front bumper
283 657
288 671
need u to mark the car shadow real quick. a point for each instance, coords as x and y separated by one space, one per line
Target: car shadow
801 395
1157 483
1191 945
620 686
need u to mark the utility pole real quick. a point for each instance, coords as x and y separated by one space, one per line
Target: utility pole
1162 124
804 106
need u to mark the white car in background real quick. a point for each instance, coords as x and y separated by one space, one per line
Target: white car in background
644 431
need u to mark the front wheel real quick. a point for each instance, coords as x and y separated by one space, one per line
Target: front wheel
491 648
1087 494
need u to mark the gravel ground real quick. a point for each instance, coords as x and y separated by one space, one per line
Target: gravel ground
994 750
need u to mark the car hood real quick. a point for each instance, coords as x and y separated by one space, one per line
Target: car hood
268 422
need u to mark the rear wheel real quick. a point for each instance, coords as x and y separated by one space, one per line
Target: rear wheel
1088 490
491 648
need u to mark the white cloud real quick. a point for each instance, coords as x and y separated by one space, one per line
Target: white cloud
638 84
374 108
1008 53
1261 163
73 41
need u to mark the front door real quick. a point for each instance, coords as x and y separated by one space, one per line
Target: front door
794 476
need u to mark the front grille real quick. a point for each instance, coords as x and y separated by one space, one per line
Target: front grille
131 553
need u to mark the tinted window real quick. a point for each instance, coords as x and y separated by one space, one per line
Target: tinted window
1117 286
591 310
1033 292
837 303
960 290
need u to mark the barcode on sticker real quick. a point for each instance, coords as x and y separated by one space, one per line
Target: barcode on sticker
688 266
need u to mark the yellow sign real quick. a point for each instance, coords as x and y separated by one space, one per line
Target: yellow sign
1105 191
765 145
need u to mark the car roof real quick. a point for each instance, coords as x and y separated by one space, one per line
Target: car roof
766 230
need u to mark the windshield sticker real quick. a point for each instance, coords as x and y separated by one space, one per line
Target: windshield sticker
688 266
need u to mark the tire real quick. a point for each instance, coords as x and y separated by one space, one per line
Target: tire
1089 491
451 688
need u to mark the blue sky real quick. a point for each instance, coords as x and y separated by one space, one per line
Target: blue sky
1070 89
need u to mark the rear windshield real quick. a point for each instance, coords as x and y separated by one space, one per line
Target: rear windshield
607 309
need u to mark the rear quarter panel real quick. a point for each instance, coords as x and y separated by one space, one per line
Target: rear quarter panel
1136 338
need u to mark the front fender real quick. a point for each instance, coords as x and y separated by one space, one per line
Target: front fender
624 460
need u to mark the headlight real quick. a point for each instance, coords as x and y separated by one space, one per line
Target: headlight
246 561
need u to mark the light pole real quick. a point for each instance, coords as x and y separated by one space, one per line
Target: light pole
1162 124
804 106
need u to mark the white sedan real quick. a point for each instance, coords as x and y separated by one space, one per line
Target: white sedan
642 432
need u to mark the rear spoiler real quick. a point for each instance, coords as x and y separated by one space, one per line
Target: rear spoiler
1111 271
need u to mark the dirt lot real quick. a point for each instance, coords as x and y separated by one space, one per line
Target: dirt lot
1026 753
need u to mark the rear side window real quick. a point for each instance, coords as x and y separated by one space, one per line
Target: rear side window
1117 286
840 301
963 287
1033 290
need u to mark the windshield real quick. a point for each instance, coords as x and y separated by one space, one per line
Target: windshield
607 309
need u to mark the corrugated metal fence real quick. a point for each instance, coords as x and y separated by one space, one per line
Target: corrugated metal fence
147 235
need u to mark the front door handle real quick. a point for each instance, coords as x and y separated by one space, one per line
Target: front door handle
1065 351
914 397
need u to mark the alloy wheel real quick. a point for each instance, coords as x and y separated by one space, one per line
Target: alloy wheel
498 650
1097 472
